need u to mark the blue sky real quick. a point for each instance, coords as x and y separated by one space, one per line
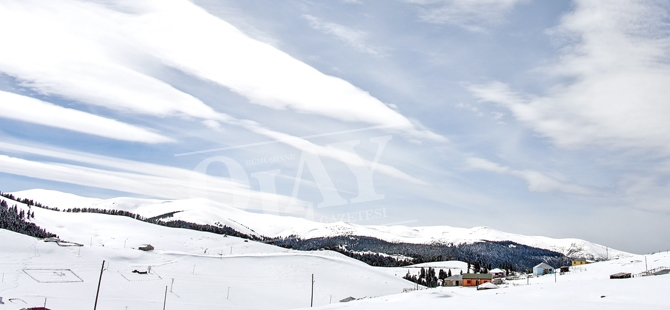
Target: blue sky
533 117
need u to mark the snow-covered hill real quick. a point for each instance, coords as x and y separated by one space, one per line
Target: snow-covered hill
209 212
209 271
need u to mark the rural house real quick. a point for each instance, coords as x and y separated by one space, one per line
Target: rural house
498 273
456 280
542 269
474 279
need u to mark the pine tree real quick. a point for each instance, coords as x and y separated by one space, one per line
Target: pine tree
422 273
431 279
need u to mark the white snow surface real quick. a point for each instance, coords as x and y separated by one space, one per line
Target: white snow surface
259 276
209 270
583 288
205 211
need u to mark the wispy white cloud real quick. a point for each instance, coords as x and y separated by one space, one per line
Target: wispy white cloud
537 181
470 107
263 74
474 15
352 159
616 61
137 177
100 54
80 51
170 182
350 36
27 109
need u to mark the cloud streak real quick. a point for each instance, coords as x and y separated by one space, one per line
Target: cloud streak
537 181
352 37
96 56
473 15
138 178
30 110
257 71
103 54
78 51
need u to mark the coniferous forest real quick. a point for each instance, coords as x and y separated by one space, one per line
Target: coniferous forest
13 219
482 255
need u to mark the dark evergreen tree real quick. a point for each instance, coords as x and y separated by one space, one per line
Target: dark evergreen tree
442 275
431 279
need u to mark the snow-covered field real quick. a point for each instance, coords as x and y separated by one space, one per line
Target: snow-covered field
587 287
209 212
220 272
205 273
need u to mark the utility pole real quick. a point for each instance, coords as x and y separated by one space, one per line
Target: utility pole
165 298
312 299
99 281
172 283
228 296
645 265
555 276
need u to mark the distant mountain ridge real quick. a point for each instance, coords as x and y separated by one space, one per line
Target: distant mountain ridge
203 211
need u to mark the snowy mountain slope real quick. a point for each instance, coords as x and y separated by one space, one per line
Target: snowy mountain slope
259 276
209 212
584 288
